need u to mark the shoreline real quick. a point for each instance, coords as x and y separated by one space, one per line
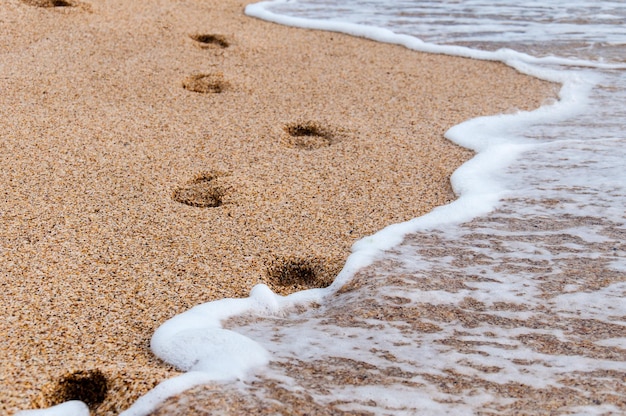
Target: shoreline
106 145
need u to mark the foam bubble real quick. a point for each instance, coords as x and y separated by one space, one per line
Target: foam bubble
73 407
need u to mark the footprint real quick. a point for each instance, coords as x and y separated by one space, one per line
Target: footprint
88 386
203 191
210 41
206 83
308 135
299 272
48 3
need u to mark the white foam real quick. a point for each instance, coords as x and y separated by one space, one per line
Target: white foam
73 408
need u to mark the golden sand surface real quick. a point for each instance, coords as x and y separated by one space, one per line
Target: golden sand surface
160 154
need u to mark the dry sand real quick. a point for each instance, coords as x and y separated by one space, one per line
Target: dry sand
129 196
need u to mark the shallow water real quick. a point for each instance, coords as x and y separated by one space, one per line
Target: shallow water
509 295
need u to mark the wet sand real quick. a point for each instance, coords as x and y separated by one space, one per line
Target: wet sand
148 168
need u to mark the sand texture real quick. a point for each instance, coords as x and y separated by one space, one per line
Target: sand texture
160 154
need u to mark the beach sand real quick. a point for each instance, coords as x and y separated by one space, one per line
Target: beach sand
147 168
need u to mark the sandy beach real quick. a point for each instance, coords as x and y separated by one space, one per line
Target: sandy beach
161 154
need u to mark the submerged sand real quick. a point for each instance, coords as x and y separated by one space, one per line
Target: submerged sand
147 168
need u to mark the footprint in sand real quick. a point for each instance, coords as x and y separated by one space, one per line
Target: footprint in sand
48 3
88 386
205 190
206 41
206 83
298 273
308 135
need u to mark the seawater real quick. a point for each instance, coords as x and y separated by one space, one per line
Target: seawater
537 231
